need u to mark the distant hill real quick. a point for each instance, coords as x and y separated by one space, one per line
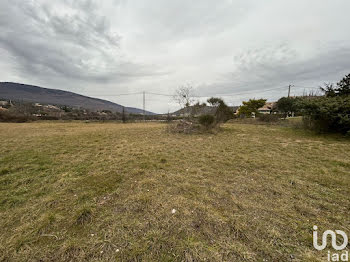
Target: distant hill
36 94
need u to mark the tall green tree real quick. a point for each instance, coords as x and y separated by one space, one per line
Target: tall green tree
344 86
223 112
329 90
251 106
288 105
342 89
329 113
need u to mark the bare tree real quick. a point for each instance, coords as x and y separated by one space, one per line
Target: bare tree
184 96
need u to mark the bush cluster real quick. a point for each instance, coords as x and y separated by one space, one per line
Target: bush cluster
331 112
15 118
327 114
273 118
206 120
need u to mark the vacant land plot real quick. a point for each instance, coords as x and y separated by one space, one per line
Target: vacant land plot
133 192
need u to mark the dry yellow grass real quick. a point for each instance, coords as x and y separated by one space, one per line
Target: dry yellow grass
105 192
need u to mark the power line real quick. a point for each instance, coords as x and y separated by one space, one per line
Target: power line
254 91
168 95
248 92
226 95
158 94
126 94
306 86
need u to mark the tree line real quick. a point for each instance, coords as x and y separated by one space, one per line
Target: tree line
329 112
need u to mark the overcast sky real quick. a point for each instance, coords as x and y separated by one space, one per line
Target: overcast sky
236 49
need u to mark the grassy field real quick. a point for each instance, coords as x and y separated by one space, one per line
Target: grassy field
107 192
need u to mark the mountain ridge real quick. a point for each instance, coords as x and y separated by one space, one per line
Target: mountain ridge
37 94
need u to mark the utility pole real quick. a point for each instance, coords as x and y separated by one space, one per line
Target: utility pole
289 95
289 90
144 106
123 115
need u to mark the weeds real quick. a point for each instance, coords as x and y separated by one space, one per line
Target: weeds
84 216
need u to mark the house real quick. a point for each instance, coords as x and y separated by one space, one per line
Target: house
4 103
235 109
52 107
267 108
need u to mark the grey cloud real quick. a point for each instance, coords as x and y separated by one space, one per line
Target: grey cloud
222 47
262 69
78 44
176 20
